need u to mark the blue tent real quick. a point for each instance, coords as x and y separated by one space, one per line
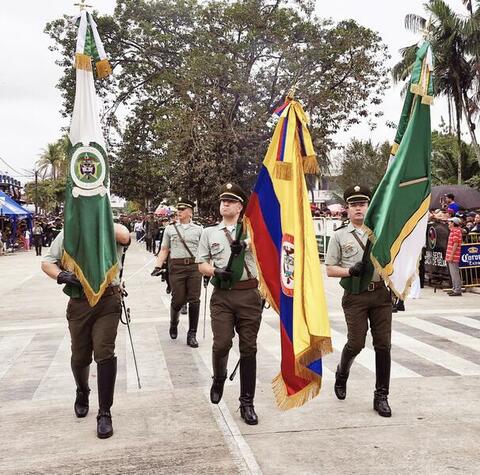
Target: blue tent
12 210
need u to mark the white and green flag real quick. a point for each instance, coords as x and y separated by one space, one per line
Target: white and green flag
397 217
89 242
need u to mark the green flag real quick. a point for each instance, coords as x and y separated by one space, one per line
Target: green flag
397 217
89 241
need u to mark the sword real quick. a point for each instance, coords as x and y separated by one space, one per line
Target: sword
206 280
126 313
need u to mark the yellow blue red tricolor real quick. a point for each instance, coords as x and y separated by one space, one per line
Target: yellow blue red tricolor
279 220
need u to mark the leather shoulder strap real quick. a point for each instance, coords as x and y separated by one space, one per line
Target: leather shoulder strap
183 241
359 240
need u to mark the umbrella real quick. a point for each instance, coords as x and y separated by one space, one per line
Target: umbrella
336 208
465 196
163 210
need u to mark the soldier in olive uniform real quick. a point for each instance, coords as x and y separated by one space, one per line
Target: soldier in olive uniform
179 245
92 329
366 299
235 303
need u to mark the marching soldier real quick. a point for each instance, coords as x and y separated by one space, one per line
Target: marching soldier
179 245
235 303
92 329
366 299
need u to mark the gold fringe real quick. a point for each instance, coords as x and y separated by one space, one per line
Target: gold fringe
103 68
68 262
310 165
283 170
83 61
286 401
427 100
394 149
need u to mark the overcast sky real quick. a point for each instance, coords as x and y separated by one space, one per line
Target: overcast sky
29 101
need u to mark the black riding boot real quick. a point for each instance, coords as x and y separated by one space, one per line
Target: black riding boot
193 314
343 371
382 367
248 376
219 364
81 379
106 374
174 317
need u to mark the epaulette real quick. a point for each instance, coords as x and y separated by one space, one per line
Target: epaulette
344 225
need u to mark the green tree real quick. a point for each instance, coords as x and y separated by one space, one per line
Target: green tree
363 163
204 79
445 158
455 43
52 162
49 193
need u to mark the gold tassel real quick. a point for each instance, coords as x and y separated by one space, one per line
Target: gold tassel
68 262
103 68
427 100
394 149
286 401
310 165
83 61
283 170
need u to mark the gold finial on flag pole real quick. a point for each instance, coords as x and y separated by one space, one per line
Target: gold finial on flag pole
82 5
291 92
426 29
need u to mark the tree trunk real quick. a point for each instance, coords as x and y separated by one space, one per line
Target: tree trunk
476 147
449 102
459 139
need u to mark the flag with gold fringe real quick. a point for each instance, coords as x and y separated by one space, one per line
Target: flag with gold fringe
89 242
396 219
280 224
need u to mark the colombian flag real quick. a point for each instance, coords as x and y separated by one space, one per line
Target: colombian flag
279 220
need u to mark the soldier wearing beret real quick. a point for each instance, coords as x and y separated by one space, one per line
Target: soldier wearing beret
179 245
366 299
224 254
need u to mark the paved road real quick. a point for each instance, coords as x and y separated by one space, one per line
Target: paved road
169 426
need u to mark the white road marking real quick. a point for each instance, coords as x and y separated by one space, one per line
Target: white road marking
438 330
240 450
58 376
151 362
469 322
367 358
435 355
11 347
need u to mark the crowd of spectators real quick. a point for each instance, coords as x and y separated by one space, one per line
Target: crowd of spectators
467 221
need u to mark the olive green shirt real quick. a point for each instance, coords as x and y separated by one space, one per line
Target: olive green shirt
191 234
55 253
345 251
214 248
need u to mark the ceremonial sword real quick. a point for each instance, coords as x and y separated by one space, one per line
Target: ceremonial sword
126 311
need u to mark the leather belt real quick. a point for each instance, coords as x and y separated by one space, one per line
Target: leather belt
245 284
185 261
110 290
375 285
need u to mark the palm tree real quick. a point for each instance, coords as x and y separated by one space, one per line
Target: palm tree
52 160
454 40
